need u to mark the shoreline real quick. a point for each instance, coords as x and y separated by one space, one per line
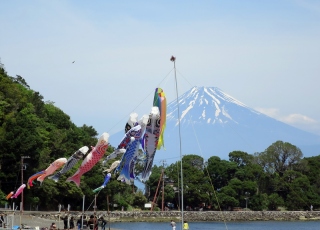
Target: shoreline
45 218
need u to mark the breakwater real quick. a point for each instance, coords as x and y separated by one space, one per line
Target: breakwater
158 216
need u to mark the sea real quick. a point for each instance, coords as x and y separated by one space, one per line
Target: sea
252 225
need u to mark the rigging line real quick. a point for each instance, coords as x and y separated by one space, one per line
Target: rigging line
167 158
211 183
184 78
126 116
241 137
93 200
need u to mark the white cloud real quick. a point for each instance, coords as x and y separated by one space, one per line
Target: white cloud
299 121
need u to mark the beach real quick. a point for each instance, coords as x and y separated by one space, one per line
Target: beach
34 222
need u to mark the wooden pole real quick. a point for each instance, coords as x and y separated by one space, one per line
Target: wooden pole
162 191
108 211
155 195
94 208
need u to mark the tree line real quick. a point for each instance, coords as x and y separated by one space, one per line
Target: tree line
276 177
40 130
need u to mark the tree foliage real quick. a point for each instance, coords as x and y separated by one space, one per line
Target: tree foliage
278 176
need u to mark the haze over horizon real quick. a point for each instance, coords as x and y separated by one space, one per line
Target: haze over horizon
99 61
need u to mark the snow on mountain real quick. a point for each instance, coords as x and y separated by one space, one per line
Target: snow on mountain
213 123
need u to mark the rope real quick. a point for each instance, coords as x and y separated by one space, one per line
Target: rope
212 186
145 98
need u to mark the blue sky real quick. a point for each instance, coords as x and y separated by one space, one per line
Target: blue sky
263 53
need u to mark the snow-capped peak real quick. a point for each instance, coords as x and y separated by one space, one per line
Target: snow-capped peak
205 105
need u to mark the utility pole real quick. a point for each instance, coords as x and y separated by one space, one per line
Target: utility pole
21 203
163 185
95 204
22 168
94 211
247 197
155 195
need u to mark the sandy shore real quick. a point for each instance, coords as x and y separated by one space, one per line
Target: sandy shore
34 221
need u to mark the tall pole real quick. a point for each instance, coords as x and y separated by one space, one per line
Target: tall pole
94 208
173 59
83 198
21 203
95 204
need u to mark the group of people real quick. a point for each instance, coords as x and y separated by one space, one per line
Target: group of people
185 225
65 222
92 223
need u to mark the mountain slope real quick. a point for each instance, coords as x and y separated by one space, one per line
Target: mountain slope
215 124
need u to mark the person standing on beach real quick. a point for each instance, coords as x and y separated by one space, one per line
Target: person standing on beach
71 223
103 223
1 220
173 225
93 223
65 221
79 222
185 225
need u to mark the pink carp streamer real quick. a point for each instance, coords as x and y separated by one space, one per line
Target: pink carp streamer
20 189
92 158
52 168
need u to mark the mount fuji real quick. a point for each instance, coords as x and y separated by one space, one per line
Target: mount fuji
213 123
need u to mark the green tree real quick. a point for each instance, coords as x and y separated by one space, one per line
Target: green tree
226 198
139 200
279 157
220 171
274 201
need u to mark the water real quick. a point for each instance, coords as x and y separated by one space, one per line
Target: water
254 225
